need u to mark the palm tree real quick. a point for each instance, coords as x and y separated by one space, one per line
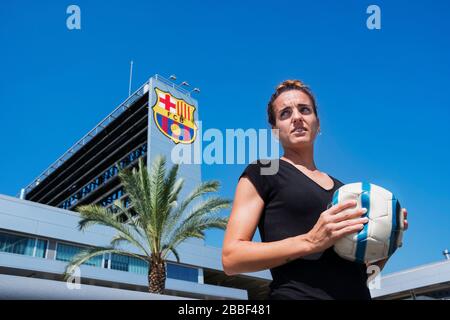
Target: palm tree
157 222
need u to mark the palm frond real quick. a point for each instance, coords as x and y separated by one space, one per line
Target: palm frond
137 185
206 207
195 229
168 199
139 196
167 249
199 191
202 189
157 197
118 239
176 189
143 182
134 222
94 214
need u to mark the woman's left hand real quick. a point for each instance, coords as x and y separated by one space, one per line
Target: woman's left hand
405 214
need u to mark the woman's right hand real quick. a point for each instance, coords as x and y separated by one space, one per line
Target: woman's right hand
335 223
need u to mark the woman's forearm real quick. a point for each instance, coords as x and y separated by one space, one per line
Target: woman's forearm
247 256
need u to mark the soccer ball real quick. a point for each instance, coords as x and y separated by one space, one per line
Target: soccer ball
382 235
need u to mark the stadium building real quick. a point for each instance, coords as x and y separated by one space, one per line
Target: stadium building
38 230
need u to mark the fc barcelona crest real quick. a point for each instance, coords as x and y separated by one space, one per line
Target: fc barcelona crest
174 117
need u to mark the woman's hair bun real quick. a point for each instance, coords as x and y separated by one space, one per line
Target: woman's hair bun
291 83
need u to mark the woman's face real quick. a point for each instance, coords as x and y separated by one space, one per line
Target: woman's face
295 118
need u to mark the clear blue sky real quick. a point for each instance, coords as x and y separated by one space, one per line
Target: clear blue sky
383 94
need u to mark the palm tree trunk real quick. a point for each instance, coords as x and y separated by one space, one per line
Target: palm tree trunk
157 276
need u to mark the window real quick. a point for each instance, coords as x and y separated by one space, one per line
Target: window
179 272
127 263
65 252
132 264
23 245
41 248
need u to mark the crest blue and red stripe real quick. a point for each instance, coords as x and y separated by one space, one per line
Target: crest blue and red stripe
165 123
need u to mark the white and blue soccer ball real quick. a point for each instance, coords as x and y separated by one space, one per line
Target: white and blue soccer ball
382 235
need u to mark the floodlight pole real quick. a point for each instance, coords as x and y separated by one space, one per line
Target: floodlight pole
131 76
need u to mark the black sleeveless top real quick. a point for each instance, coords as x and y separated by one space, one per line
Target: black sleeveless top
293 204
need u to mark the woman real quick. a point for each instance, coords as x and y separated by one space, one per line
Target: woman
290 210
